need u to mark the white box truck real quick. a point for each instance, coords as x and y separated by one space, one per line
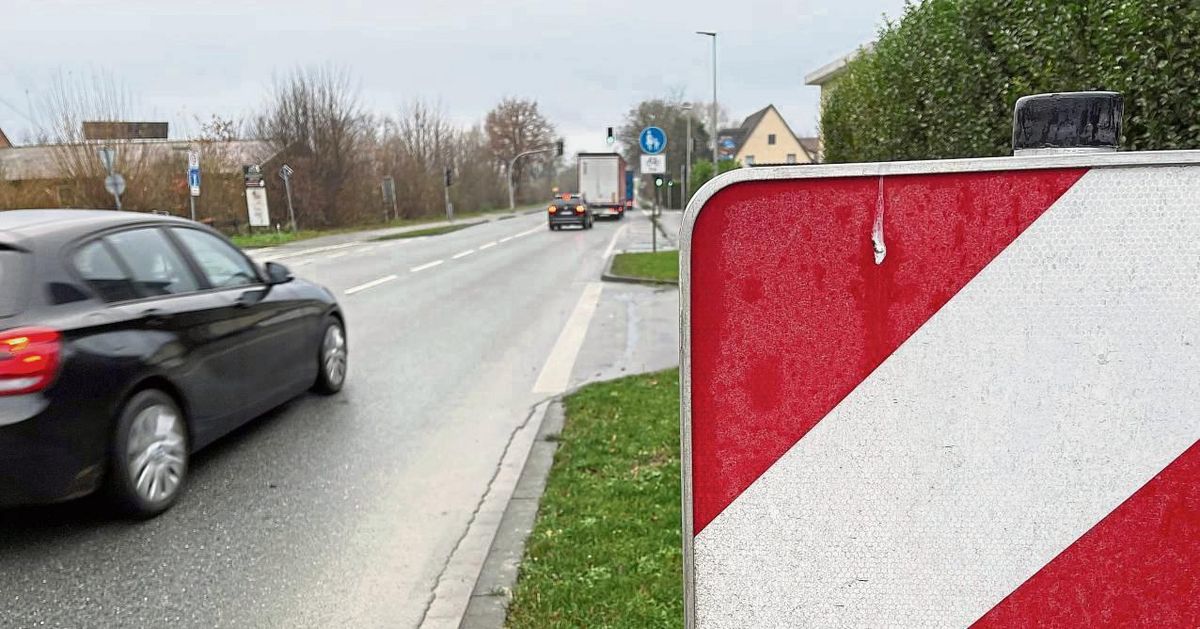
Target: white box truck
602 183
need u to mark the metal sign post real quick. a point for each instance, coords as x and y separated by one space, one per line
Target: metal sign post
388 189
193 179
285 172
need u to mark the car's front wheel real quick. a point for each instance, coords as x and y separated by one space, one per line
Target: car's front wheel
332 358
148 463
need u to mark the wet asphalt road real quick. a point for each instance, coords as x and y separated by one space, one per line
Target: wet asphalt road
340 511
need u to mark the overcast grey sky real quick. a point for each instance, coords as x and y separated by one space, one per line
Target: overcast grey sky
586 63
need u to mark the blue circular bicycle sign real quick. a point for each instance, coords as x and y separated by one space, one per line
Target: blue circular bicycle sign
652 140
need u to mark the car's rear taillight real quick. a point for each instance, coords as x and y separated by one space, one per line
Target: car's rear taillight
550 209
579 209
28 359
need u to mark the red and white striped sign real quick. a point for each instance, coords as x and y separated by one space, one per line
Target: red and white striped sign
995 425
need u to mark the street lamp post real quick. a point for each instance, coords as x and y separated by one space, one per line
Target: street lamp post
714 103
687 160
512 163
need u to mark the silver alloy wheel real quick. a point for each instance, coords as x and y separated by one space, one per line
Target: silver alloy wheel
156 452
333 354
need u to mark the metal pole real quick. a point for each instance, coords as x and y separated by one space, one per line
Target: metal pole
687 160
682 198
714 106
118 198
512 204
287 188
192 201
654 220
450 209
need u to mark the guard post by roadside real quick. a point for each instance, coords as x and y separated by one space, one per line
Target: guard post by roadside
961 392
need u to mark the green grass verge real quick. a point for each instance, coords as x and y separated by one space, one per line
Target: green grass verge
662 265
431 231
270 239
606 549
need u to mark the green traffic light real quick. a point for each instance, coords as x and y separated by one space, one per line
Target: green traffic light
658 182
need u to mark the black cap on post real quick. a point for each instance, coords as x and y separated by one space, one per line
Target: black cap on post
1067 122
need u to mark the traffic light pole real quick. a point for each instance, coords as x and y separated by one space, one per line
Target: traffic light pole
654 217
446 190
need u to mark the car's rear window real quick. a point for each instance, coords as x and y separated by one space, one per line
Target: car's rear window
14 281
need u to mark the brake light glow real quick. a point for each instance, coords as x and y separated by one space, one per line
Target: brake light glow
579 209
550 209
28 359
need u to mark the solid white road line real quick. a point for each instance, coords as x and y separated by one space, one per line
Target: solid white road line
505 239
613 243
488 245
334 255
556 373
371 284
462 254
429 265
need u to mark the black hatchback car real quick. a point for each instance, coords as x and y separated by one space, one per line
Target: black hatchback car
128 341
569 209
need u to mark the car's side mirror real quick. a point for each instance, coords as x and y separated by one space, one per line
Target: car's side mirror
277 273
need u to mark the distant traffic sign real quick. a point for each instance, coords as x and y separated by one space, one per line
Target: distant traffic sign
654 164
115 184
652 140
194 181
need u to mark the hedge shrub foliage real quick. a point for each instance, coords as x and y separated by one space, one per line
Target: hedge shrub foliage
942 81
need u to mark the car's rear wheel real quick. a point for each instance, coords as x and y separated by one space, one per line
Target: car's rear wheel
332 358
551 226
148 463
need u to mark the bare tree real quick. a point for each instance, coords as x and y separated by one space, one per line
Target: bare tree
71 100
513 127
315 121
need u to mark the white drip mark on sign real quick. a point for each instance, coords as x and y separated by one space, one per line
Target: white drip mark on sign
877 230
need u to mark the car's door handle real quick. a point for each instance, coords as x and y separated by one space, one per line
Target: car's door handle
154 316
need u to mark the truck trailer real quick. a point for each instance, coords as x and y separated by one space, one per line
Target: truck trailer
602 182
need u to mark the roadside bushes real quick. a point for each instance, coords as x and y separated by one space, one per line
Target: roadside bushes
942 81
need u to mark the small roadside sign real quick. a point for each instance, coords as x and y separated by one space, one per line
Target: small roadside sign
193 160
252 174
194 181
652 140
654 164
256 205
108 157
115 184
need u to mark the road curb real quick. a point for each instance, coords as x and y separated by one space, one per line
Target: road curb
488 605
454 592
609 276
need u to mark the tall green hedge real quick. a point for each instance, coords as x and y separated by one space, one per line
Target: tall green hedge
942 81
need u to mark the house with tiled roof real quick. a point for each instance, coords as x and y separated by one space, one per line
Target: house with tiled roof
764 137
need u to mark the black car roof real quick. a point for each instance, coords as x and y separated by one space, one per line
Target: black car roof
32 223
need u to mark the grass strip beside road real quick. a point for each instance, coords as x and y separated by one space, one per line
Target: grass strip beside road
662 265
271 239
431 231
606 549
